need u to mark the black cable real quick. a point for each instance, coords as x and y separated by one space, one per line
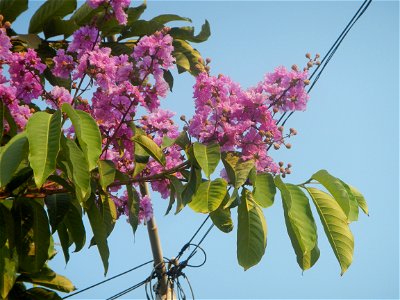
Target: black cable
128 290
328 56
108 279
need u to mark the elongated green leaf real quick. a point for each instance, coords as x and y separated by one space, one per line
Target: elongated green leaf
335 225
11 156
84 14
336 188
43 131
353 205
49 10
107 173
166 18
37 293
87 132
56 26
48 278
207 156
178 190
362 203
58 206
300 224
7 231
251 232
209 196
233 200
187 58
11 9
8 270
182 140
108 212
99 232
77 168
221 218
133 205
32 234
112 26
151 147
64 240
74 224
237 170
140 28
264 190
191 187
187 33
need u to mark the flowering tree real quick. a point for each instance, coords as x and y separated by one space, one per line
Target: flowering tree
82 130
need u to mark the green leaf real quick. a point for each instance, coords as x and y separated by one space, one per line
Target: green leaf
77 168
84 14
74 225
178 189
133 205
58 206
166 18
182 140
191 187
43 131
32 234
207 156
53 80
187 58
11 156
107 173
56 26
187 33
300 224
6 225
32 40
11 9
336 188
151 147
222 219
140 28
108 212
65 242
169 79
209 196
335 225
353 204
251 232
233 200
10 121
48 278
362 203
8 270
87 132
264 190
99 232
37 293
237 170
49 10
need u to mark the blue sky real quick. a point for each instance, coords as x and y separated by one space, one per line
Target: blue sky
350 128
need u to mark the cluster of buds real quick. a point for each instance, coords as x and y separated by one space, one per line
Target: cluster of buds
277 144
284 170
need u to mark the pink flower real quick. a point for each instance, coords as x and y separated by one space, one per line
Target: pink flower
84 39
59 95
5 45
146 209
63 64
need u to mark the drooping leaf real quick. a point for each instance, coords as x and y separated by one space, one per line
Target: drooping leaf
169 79
99 232
191 187
237 169
300 224
207 156
11 9
107 173
58 206
209 196
48 278
77 168
65 242
362 203
233 200
151 147
251 232
74 224
353 204
108 212
178 189
140 28
221 218
336 188
49 10
87 132
32 234
166 18
8 270
187 33
38 293
56 26
133 205
335 225
43 131
264 190
11 156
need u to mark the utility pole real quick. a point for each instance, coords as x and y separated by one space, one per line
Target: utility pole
163 291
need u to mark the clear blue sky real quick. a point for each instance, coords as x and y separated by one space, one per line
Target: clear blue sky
350 128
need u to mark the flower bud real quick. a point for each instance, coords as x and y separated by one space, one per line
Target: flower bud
276 146
280 128
7 25
293 131
306 82
183 118
317 55
289 165
281 163
310 64
288 145
308 55
185 128
208 60
275 109
282 170
295 68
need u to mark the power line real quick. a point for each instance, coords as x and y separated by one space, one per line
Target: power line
328 56
108 279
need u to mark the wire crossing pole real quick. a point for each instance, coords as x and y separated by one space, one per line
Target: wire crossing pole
163 291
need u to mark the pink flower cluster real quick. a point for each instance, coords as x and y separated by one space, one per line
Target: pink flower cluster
242 120
118 7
